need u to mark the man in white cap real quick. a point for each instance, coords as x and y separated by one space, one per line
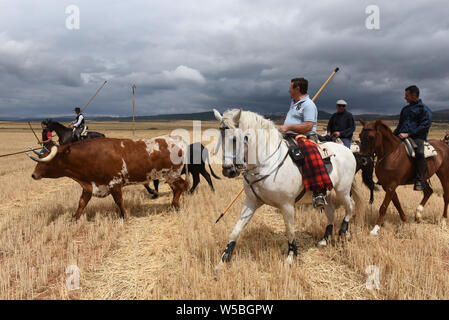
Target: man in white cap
341 124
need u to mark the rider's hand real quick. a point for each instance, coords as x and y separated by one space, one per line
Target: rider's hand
328 134
337 133
40 142
283 128
403 135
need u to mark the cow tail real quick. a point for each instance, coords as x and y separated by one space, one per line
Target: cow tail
186 165
359 204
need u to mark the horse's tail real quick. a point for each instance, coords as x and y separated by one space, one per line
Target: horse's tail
356 192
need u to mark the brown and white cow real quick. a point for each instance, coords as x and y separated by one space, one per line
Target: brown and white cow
103 166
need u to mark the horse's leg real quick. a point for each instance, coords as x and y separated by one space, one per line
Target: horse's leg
206 176
383 209
445 183
288 213
397 204
330 214
196 181
349 206
427 193
249 207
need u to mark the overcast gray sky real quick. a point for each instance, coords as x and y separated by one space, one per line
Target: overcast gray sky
192 56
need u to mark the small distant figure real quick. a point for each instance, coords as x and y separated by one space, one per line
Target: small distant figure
77 125
46 137
341 124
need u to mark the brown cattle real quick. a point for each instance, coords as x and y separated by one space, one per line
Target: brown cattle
103 166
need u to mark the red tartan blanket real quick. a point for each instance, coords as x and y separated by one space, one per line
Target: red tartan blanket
314 172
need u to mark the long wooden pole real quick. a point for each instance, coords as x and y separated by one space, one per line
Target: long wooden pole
91 98
134 108
33 132
313 99
11 154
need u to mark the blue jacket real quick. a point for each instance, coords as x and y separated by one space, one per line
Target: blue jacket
342 122
415 119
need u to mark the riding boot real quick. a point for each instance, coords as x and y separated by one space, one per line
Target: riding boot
421 167
319 200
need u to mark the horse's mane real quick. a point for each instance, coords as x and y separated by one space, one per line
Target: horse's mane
253 121
57 124
382 124
248 120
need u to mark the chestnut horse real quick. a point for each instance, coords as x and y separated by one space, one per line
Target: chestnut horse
395 168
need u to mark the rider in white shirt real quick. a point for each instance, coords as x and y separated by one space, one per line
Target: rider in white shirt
77 125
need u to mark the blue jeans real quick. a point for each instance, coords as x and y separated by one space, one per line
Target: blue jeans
346 142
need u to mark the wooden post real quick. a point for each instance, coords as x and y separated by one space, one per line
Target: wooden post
134 108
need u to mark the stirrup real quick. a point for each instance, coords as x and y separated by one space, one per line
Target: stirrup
319 201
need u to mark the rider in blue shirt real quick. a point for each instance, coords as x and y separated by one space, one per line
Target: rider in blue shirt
302 118
414 122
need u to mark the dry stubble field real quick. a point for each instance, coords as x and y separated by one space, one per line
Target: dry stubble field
163 254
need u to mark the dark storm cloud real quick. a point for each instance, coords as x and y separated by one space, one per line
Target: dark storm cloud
190 57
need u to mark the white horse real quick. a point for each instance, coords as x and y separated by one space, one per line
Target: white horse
272 178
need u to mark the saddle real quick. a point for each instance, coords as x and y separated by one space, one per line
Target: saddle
298 158
410 146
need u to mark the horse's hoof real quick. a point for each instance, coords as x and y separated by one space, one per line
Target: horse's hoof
418 215
375 231
322 243
155 196
227 253
289 259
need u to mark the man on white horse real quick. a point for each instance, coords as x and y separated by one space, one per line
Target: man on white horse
302 119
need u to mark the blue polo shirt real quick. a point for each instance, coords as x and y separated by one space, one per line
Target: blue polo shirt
302 111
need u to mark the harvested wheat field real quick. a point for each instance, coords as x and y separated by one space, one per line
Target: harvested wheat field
160 253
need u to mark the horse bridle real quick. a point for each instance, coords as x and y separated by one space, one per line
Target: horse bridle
374 155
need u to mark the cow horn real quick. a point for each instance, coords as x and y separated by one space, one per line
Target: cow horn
53 152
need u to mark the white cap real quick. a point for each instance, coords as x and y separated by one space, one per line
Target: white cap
342 102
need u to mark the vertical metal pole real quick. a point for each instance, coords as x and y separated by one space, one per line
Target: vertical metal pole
134 108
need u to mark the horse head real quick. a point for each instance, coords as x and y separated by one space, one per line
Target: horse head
231 142
373 135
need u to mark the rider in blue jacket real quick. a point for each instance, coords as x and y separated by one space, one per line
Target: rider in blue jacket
414 122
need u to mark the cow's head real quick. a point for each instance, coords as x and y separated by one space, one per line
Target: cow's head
49 166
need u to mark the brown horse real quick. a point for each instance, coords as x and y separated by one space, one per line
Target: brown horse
395 168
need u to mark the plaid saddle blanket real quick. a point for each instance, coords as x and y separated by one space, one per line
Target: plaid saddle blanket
314 173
